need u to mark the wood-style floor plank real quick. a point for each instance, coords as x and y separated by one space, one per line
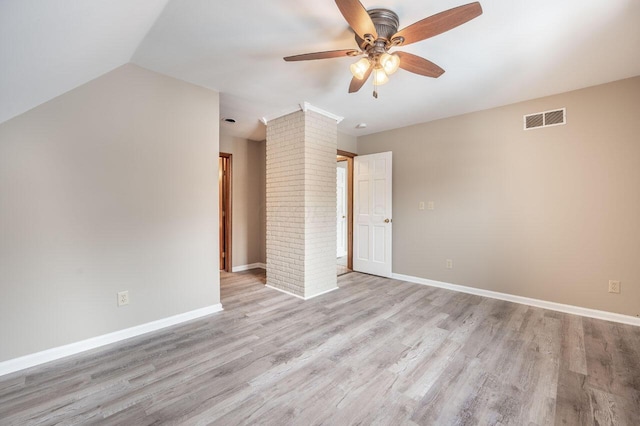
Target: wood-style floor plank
377 351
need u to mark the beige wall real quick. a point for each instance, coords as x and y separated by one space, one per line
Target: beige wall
109 187
550 213
248 192
347 143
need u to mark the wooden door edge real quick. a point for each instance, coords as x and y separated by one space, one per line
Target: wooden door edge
348 156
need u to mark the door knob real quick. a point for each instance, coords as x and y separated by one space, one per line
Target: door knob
343 217
387 220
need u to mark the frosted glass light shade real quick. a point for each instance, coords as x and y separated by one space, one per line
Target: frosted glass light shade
360 68
380 77
389 63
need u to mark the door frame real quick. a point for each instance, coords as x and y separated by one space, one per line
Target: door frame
348 156
226 208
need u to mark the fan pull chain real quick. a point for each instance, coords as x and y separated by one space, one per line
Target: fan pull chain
375 87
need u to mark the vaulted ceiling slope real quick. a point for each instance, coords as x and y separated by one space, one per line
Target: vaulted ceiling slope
514 51
50 47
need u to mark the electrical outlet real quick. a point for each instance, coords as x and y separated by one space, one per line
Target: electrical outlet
431 205
614 286
421 205
123 298
449 263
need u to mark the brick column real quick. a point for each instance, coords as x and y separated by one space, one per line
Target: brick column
301 203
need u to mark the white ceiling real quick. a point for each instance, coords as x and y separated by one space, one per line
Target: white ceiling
516 50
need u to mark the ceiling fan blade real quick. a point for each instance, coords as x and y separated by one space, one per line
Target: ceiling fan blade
357 17
322 55
418 65
439 23
357 84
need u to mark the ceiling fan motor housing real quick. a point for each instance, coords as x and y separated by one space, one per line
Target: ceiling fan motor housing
386 23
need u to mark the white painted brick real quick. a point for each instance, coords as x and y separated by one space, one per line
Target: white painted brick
301 203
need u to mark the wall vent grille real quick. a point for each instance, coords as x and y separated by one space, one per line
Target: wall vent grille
554 117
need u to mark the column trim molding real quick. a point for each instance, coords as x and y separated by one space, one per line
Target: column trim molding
302 106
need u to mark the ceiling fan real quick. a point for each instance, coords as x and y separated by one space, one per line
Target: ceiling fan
376 32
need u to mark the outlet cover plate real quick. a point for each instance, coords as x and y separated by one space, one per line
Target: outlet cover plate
614 286
123 298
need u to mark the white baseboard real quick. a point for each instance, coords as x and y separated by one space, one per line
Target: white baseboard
247 267
321 293
53 354
300 297
569 309
284 291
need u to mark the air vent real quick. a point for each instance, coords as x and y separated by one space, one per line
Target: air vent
545 119
533 120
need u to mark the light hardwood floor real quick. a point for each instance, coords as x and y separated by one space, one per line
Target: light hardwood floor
342 266
376 351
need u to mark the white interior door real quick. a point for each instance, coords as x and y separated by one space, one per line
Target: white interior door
372 223
341 211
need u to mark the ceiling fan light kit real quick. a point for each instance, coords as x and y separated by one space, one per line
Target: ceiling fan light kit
380 77
360 68
376 32
390 62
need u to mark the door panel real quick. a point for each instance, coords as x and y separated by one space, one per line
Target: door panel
362 188
362 243
379 243
372 214
380 197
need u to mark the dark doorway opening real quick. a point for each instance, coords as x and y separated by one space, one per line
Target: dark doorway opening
224 201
